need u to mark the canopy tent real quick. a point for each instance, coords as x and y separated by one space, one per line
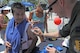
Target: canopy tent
27 3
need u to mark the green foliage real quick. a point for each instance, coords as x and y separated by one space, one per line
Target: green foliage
7 1
33 1
17 0
4 2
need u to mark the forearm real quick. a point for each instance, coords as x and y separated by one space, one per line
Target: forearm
52 34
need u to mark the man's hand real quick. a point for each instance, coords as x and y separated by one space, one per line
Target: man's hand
51 50
8 44
37 31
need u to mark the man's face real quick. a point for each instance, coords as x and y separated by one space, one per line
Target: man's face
19 15
5 11
56 8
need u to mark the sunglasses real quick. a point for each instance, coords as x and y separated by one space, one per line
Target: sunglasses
50 6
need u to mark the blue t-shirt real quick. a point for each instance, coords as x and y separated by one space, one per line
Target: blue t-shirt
41 23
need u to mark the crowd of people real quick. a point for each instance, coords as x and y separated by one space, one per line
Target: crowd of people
65 8
20 35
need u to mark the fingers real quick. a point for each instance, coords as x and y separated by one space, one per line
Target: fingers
49 49
8 44
37 31
36 28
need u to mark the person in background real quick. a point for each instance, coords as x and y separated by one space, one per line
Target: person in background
39 18
71 9
4 11
1 28
18 36
1 21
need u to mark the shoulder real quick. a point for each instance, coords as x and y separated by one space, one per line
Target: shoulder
28 26
10 21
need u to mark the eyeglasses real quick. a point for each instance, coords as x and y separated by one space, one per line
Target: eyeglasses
50 6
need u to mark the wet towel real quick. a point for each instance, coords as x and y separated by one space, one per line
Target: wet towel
14 34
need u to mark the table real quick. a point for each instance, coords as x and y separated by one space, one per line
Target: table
55 43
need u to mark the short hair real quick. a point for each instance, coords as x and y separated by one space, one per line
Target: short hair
39 5
17 5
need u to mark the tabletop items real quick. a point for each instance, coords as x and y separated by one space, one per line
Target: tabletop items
59 48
